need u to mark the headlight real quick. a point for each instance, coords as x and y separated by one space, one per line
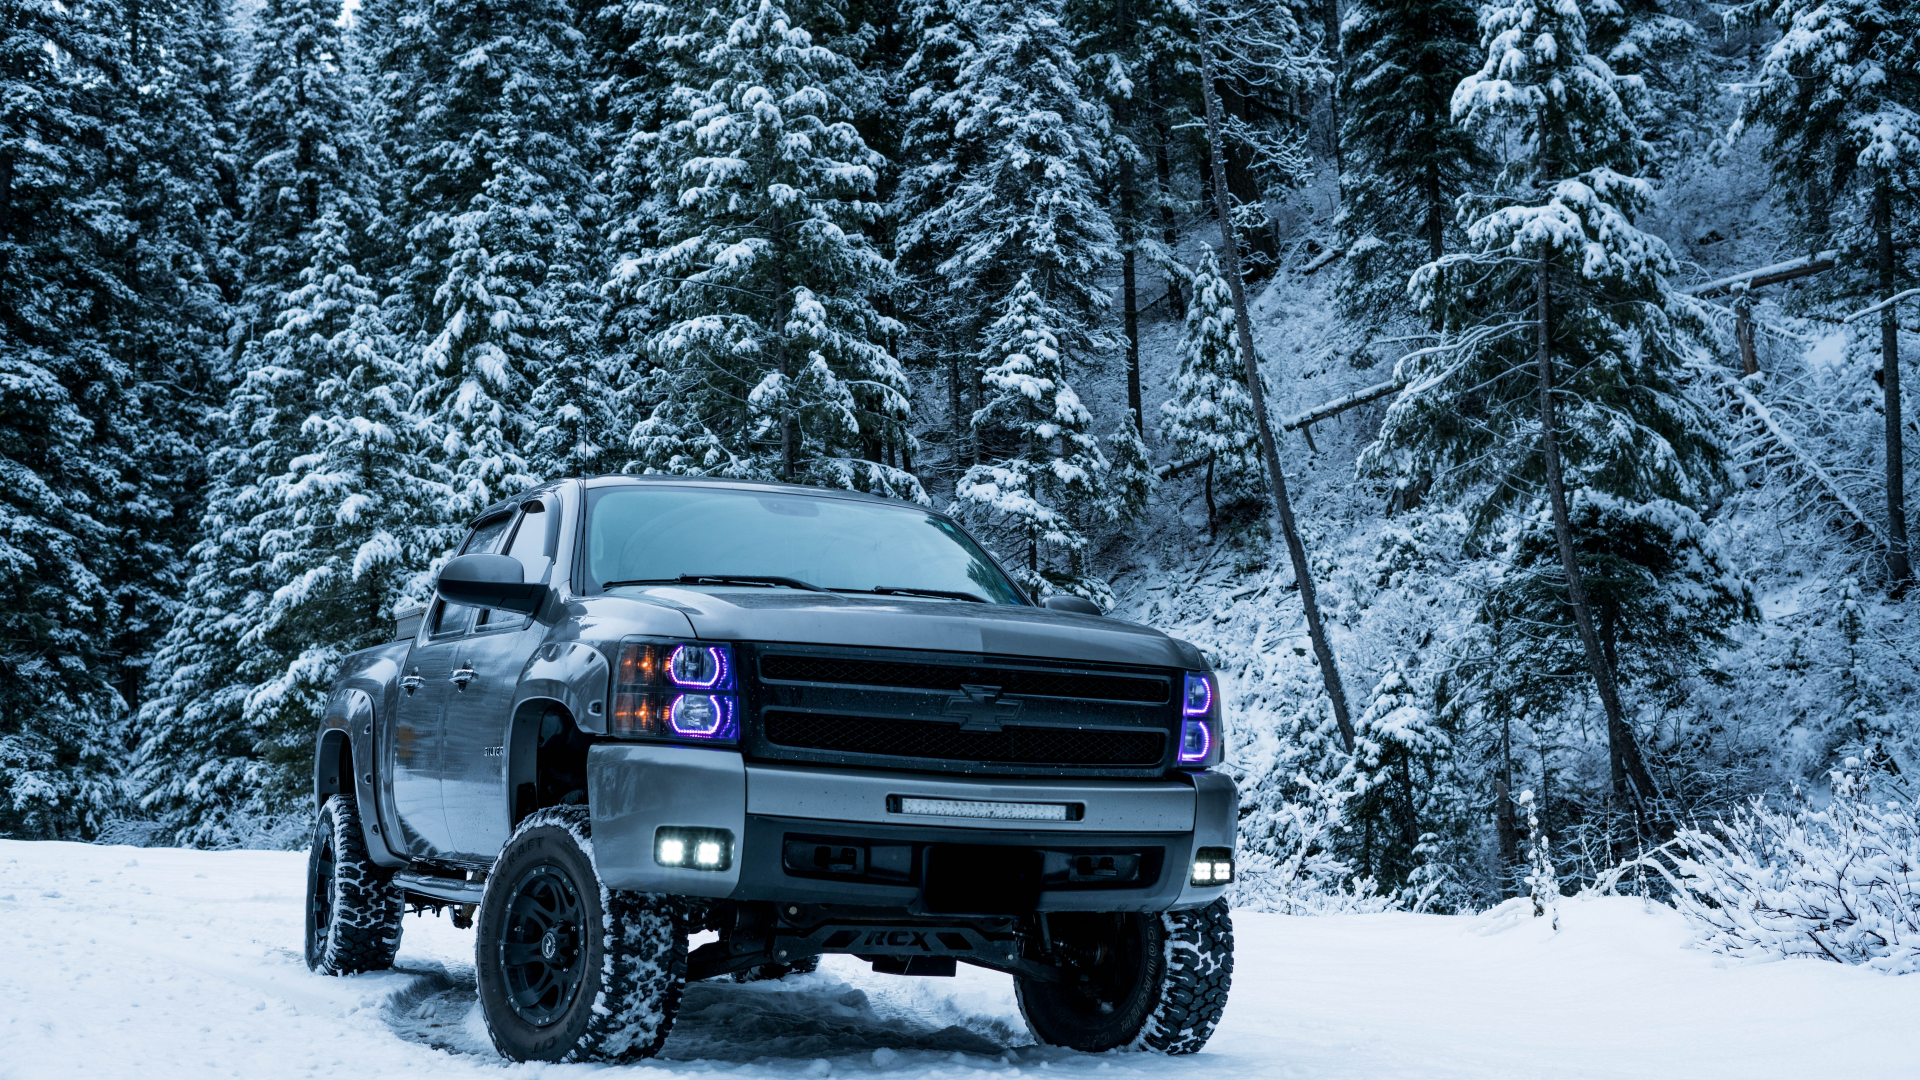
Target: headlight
1200 726
675 690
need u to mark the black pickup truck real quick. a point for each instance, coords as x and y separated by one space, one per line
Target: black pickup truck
806 721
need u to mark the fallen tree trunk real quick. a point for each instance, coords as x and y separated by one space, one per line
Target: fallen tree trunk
1763 276
1340 405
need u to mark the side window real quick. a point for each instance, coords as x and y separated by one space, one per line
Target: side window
530 542
484 540
529 547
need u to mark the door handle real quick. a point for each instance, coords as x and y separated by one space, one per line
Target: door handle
464 675
412 682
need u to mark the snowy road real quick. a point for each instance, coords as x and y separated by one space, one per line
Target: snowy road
158 963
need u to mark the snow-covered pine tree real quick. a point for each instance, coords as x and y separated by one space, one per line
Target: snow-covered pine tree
1051 480
314 526
1023 154
631 96
1405 794
944 36
577 414
1666 51
767 356
1664 594
1563 362
357 526
1840 92
172 181
489 112
1015 249
58 368
302 149
1407 159
1209 413
201 758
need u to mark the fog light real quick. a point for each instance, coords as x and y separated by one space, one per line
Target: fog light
1212 866
689 848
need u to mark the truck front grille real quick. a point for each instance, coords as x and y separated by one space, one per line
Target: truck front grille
1016 744
1025 682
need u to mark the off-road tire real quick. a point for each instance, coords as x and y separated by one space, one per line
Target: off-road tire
353 912
621 984
806 965
1161 988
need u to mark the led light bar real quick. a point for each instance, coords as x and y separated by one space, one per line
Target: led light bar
921 806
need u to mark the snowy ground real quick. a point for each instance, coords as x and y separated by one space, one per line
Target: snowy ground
160 963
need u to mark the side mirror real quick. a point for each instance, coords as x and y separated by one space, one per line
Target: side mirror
1079 605
492 581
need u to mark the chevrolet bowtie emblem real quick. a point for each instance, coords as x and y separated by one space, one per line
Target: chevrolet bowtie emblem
983 707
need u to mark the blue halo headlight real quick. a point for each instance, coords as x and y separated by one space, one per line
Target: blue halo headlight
1199 722
701 666
674 690
702 716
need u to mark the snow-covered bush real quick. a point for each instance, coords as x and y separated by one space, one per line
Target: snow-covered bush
1839 883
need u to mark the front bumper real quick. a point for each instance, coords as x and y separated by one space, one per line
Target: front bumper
1151 828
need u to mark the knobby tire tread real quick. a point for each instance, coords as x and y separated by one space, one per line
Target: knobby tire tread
1199 973
643 950
368 912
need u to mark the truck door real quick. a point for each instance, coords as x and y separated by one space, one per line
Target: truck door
473 787
416 750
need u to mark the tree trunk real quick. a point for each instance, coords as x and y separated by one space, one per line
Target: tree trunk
1129 302
1212 514
1506 822
1169 230
957 420
789 425
1331 12
1437 208
1898 572
1277 480
1240 181
1630 778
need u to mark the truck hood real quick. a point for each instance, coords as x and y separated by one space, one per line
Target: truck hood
751 614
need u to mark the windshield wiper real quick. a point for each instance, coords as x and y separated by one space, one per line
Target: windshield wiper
769 580
748 579
904 590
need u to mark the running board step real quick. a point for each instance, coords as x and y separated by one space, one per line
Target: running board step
449 890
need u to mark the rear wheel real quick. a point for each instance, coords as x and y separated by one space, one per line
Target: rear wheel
1153 981
353 911
570 970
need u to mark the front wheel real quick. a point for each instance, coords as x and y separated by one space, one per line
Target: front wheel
570 970
1153 981
354 913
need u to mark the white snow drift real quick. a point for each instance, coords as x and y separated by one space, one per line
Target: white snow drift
160 963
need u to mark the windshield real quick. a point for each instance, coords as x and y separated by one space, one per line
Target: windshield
660 534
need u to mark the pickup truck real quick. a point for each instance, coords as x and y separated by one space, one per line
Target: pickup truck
787 721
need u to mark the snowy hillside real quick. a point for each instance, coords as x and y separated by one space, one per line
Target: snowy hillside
161 964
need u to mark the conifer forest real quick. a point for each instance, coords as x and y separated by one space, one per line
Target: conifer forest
1505 397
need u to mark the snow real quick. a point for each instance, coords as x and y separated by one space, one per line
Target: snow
159 963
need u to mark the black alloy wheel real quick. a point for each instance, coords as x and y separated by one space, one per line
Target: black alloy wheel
320 885
568 969
543 953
